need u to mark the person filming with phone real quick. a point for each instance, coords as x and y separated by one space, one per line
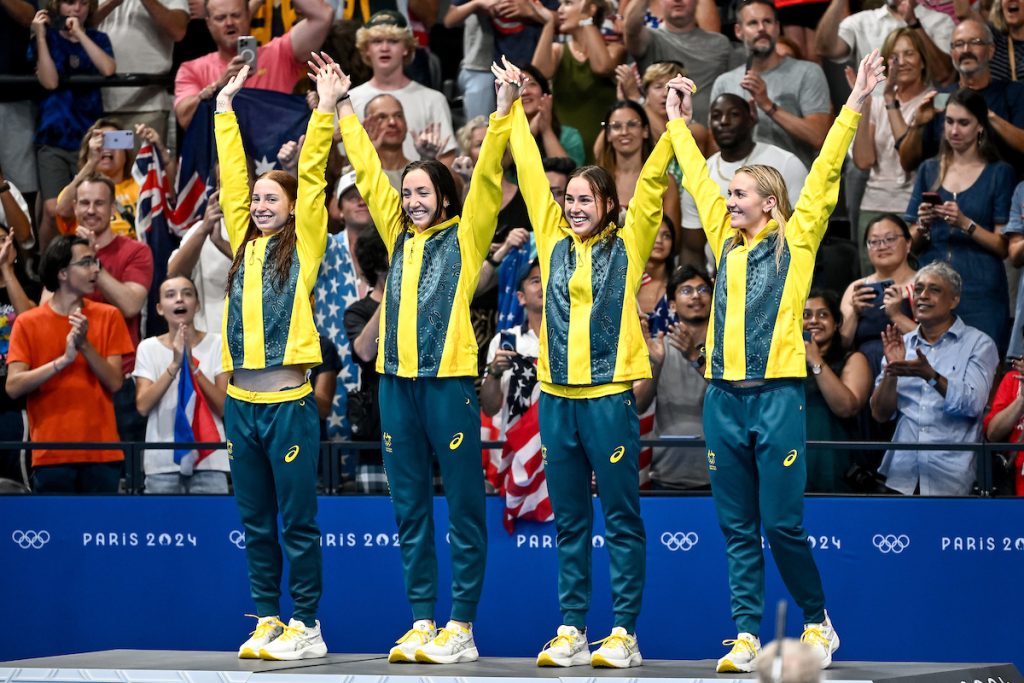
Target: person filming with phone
960 204
274 66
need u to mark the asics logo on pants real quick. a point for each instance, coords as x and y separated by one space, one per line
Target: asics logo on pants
292 453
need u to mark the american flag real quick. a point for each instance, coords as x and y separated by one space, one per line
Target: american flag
646 452
512 271
517 470
336 290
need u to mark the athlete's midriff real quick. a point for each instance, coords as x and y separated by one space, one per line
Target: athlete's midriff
269 379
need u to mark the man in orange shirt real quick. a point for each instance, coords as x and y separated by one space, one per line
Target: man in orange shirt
65 357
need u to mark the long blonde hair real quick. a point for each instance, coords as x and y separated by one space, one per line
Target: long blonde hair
768 182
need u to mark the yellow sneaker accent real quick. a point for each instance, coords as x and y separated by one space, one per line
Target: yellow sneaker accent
263 629
544 659
740 658
287 634
398 654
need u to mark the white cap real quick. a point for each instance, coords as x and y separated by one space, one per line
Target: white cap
345 183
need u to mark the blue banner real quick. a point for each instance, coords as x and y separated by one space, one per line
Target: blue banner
906 579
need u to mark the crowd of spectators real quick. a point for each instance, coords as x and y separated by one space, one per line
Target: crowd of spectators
918 340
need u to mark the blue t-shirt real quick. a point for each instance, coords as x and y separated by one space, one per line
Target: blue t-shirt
67 112
513 38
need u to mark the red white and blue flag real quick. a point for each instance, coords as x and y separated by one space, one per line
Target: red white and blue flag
193 420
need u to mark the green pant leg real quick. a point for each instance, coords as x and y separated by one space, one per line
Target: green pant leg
609 428
568 475
452 416
291 434
409 465
781 449
255 496
734 489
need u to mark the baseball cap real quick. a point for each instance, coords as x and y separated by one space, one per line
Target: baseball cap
387 17
346 182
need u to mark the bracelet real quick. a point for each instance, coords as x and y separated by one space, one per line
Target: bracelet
893 106
490 259
341 99
56 370
5 187
771 110
172 374
491 371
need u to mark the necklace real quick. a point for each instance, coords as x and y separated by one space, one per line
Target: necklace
718 166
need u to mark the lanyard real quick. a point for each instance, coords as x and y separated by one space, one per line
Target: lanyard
1013 58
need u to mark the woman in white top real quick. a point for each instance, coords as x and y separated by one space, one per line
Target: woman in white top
885 122
158 370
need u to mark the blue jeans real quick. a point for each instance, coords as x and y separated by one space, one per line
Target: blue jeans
477 93
82 477
207 482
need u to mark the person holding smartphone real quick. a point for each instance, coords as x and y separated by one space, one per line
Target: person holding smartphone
959 206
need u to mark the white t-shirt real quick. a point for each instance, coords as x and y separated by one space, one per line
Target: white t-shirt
211 278
152 358
866 30
23 205
527 345
889 187
791 168
140 47
422 106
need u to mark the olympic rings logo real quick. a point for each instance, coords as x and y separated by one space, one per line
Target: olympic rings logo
238 538
30 539
890 543
679 540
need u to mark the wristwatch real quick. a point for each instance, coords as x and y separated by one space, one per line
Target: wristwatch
5 187
490 259
934 381
895 104
816 369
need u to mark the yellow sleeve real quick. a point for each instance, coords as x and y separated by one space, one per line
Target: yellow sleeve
310 209
705 192
483 201
821 188
234 177
381 198
643 217
545 214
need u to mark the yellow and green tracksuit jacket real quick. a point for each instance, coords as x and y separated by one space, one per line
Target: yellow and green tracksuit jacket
756 328
263 326
425 325
591 343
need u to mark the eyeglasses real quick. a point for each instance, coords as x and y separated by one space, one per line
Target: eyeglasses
875 245
619 126
687 290
973 42
87 262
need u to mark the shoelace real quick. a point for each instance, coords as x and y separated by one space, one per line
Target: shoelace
445 634
615 639
741 644
422 636
264 628
561 639
291 632
815 635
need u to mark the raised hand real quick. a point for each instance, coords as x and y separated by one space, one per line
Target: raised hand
288 156
463 166
213 213
509 81
79 327
892 301
627 82
74 27
681 338
40 22
88 235
428 142
892 345
870 73
178 347
917 367
234 84
147 134
679 104
332 84
7 251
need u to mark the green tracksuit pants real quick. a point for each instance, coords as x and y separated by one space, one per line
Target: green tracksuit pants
423 419
757 441
599 435
274 450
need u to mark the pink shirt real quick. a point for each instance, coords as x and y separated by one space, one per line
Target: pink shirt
276 69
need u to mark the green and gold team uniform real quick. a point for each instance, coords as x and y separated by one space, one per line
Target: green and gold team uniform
754 418
273 437
591 349
427 357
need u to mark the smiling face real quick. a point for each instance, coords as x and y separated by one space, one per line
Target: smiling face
569 14
626 131
748 209
664 245
934 299
818 321
531 94
585 211
94 206
178 302
227 20
419 198
692 302
970 50
906 65
270 206
887 246
962 129
531 292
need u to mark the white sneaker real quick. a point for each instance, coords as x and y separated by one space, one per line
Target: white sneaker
619 650
267 629
823 639
568 648
742 657
298 641
452 645
422 632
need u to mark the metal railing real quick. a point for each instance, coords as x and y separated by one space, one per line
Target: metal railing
332 451
116 81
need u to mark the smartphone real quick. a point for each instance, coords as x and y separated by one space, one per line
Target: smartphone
940 101
507 341
247 46
807 336
879 289
58 21
931 198
119 139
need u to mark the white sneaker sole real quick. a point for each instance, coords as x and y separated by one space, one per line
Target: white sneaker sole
599 660
467 655
311 652
581 658
827 661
